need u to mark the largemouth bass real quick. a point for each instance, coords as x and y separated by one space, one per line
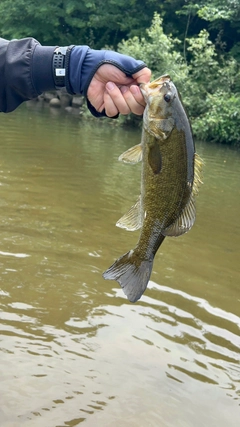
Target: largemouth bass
170 180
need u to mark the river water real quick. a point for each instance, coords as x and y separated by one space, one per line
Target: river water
73 350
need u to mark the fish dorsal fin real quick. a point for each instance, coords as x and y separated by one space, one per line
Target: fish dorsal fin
133 155
132 220
184 222
198 165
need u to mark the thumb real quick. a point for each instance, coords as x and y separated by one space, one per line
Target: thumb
143 76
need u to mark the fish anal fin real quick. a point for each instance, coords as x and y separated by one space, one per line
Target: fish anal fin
185 221
133 155
132 220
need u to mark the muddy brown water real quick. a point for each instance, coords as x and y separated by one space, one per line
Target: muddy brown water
73 350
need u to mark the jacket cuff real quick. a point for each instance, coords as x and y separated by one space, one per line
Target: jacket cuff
42 75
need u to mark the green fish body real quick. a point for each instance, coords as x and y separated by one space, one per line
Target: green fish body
169 183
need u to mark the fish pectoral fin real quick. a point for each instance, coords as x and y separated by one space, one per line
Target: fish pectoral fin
155 159
132 220
133 155
185 221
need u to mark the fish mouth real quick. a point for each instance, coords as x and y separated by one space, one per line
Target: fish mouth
161 81
148 88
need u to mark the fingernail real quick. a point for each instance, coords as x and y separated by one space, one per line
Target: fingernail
124 89
110 86
134 89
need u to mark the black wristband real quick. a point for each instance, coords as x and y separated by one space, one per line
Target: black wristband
67 64
58 66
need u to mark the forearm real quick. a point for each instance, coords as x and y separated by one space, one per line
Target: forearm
23 73
26 71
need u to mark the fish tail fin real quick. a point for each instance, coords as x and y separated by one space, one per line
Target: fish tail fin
131 273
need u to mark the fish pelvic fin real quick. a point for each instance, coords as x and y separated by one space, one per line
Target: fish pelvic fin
131 273
132 220
133 155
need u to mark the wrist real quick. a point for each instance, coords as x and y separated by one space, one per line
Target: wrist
60 67
50 68
76 69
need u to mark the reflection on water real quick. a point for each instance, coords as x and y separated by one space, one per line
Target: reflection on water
73 349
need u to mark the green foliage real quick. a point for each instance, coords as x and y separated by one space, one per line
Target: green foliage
24 18
101 23
203 73
158 51
221 18
209 83
213 10
220 122
212 92
64 22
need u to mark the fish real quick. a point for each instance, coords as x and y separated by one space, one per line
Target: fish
170 180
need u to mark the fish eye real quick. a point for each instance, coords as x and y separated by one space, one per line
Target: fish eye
167 97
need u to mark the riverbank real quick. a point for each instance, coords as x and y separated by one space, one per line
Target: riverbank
60 99
77 106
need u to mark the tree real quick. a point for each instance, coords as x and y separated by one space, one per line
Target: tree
67 22
222 21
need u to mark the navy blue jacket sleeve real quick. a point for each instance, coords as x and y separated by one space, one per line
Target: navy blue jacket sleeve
25 71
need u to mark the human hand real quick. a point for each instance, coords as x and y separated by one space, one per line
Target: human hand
109 80
112 90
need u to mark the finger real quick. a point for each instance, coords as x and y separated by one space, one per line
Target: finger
117 98
130 99
143 76
110 108
137 94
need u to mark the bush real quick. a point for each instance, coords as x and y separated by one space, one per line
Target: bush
220 122
158 51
